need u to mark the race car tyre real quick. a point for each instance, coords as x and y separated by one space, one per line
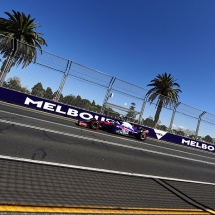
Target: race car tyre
141 136
94 125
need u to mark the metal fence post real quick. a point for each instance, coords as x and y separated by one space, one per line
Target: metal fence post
107 95
142 110
173 115
199 121
9 61
63 80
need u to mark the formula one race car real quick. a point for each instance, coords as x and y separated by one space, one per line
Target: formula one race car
118 127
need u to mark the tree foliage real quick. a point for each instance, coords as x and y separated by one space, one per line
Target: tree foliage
131 112
48 94
14 83
148 122
165 91
208 139
23 28
19 41
162 127
38 90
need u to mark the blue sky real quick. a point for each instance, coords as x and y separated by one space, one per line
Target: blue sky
134 40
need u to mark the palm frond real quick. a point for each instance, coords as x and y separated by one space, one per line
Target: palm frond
22 28
164 90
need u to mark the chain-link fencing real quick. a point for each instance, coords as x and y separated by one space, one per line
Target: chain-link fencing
55 78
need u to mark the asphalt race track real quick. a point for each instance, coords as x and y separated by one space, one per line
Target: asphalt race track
177 177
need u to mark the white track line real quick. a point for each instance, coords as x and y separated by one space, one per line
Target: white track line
103 170
103 141
90 131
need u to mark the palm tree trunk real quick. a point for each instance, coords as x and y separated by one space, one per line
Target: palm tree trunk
8 62
5 68
157 114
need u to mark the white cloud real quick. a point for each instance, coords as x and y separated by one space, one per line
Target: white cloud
173 125
181 127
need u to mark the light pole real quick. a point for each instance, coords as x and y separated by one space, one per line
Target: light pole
199 121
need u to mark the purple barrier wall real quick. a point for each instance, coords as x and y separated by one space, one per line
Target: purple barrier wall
34 102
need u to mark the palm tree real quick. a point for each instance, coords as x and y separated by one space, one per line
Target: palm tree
22 28
165 90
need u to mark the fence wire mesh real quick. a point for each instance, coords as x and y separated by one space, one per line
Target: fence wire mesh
52 77
129 88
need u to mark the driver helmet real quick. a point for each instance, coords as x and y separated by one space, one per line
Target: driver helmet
112 121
